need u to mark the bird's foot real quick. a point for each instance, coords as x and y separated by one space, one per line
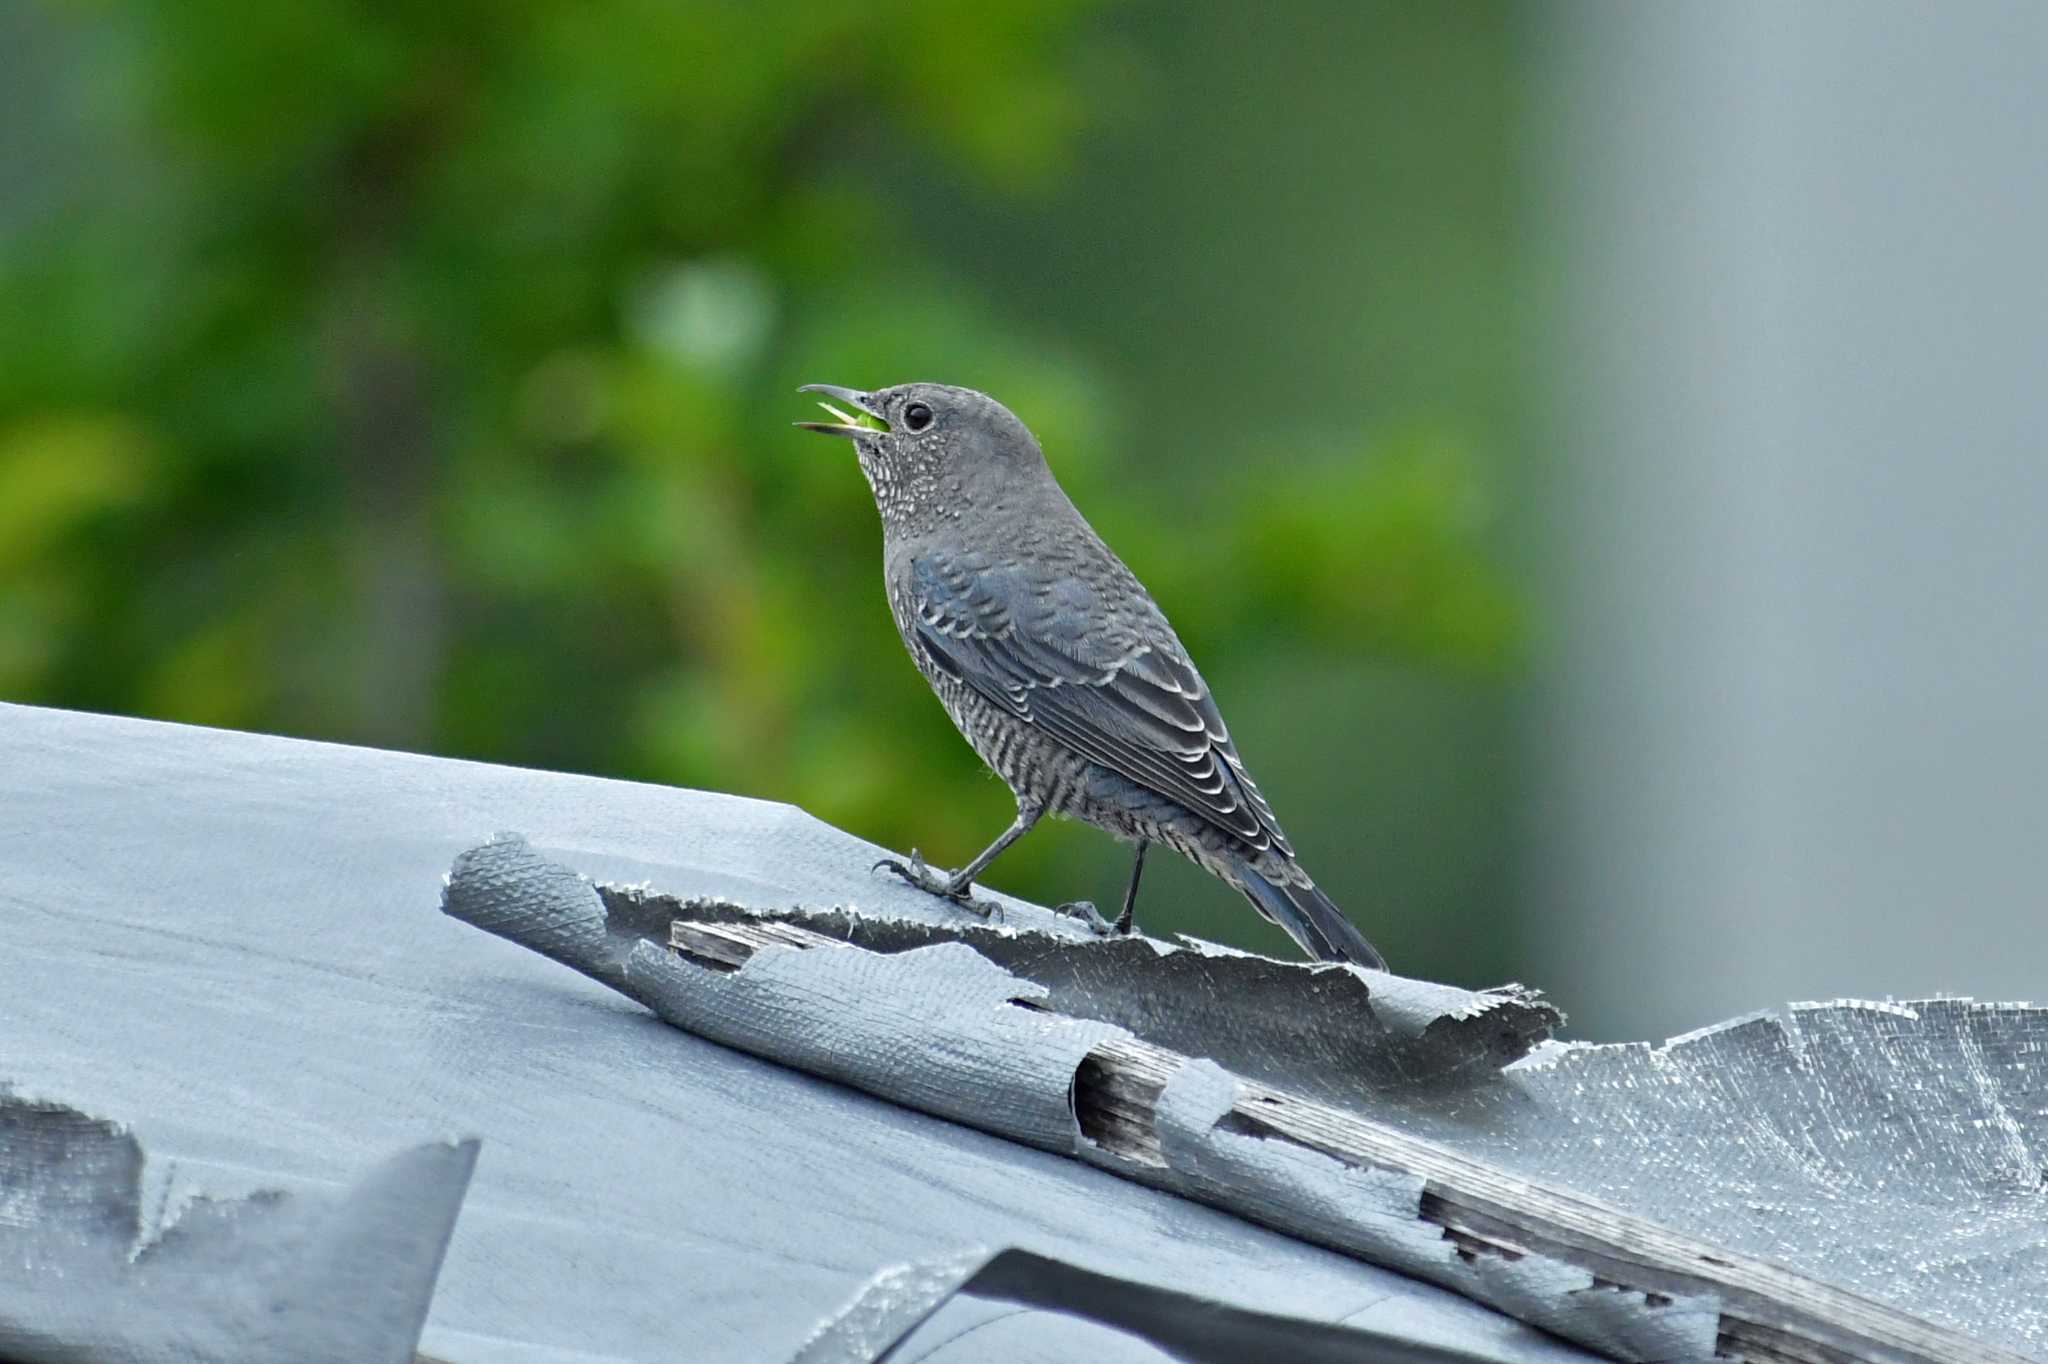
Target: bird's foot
1085 911
930 882
915 872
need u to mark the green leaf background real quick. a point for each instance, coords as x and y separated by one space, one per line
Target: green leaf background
421 375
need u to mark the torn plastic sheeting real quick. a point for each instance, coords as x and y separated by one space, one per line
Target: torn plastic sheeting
936 1029
892 1305
1323 1030
1378 1214
1896 1150
507 889
939 1028
1746 1137
304 1276
269 891
1317 1030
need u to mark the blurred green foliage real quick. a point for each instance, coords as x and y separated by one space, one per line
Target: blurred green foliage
421 375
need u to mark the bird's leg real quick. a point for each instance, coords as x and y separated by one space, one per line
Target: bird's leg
1123 920
963 879
1085 910
960 885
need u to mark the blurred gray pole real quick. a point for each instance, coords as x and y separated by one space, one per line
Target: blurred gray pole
1788 737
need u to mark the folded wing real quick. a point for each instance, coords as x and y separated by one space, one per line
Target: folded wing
1113 685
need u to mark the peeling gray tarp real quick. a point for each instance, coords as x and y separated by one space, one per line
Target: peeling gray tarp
1899 1150
95 1266
1197 1330
1314 1029
227 942
1894 1151
932 1024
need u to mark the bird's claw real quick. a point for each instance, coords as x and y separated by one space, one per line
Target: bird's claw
1085 911
980 908
916 873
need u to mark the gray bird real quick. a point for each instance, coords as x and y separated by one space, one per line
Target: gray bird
1055 662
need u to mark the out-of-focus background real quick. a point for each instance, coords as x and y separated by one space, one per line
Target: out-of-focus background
1598 453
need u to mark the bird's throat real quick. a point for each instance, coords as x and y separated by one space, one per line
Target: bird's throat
911 491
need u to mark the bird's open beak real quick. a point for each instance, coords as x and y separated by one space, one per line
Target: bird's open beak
862 421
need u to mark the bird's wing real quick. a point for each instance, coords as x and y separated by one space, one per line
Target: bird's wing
1119 692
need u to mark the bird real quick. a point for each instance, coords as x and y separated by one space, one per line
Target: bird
1055 663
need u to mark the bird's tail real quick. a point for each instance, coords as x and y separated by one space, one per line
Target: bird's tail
1309 918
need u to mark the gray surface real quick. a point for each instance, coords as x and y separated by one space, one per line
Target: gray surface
1829 1144
1897 1150
883 1318
230 942
934 1025
93 1269
1317 1029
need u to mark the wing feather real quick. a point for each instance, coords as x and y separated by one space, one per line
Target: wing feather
1121 693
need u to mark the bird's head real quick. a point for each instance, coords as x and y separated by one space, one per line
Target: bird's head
930 448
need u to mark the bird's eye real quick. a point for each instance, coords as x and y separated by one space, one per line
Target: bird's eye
917 416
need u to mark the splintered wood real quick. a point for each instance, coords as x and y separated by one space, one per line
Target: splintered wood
727 947
1769 1315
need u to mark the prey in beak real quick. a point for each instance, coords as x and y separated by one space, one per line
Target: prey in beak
863 420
